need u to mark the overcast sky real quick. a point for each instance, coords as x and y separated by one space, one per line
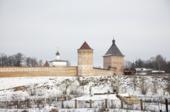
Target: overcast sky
39 28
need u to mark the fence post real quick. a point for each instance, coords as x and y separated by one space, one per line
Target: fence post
6 104
121 104
90 103
28 104
18 104
106 103
62 104
141 104
166 104
75 103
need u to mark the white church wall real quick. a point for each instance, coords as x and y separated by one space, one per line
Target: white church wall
58 64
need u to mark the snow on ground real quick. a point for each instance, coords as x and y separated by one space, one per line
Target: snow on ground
50 86
98 110
81 89
97 97
69 110
20 81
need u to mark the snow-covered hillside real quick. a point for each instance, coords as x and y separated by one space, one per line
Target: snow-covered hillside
41 92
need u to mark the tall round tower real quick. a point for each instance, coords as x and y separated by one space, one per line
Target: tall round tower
85 59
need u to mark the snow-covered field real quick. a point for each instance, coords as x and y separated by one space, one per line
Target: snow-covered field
20 81
40 94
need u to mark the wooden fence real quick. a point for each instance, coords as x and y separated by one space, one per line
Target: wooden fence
74 104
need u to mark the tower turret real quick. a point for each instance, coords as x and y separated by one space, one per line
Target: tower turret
114 59
85 59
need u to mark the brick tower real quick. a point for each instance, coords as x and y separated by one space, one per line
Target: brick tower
85 60
114 59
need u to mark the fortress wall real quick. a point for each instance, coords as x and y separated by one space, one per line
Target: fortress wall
102 72
37 71
85 70
50 71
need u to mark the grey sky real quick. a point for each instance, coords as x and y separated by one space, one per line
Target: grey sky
40 27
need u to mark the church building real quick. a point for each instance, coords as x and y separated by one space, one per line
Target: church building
58 62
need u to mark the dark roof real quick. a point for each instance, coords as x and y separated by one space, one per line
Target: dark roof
113 50
85 46
57 53
58 61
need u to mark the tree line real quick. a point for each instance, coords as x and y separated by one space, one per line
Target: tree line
157 63
18 60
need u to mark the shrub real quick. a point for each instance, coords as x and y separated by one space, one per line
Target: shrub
54 110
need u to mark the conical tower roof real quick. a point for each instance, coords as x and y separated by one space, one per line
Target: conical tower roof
114 50
85 46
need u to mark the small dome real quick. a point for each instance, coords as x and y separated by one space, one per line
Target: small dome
57 53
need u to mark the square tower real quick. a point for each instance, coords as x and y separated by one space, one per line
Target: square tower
85 60
114 59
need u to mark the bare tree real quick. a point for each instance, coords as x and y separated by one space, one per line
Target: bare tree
67 83
117 82
167 79
19 58
46 64
134 82
155 85
40 63
31 62
3 60
139 63
143 85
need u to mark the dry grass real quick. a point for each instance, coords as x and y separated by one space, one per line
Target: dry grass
130 100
